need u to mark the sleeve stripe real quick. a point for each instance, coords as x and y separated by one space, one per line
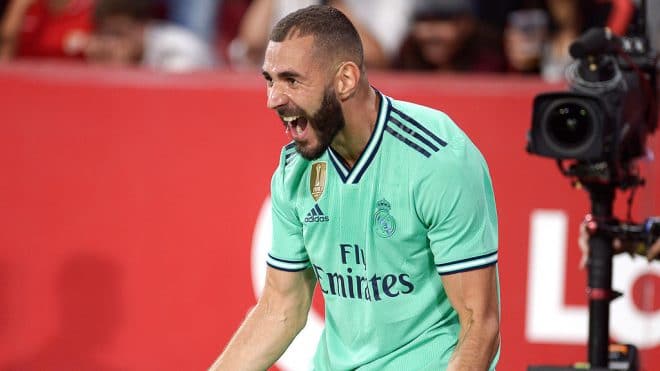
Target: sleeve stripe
410 143
289 157
287 261
494 253
467 269
420 127
287 269
287 265
413 133
467 264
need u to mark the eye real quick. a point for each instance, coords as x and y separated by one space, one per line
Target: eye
291 81
269 80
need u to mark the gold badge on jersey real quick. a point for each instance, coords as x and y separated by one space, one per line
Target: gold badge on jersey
317 179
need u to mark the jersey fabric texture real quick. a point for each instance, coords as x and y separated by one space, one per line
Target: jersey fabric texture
417 204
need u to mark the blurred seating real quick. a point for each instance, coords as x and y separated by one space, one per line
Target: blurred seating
508 36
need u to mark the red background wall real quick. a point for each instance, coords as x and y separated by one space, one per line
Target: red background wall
128 201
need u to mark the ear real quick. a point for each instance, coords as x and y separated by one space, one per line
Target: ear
346 80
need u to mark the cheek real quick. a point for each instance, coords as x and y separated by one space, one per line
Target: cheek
310 106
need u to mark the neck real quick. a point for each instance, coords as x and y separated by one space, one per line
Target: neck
360 112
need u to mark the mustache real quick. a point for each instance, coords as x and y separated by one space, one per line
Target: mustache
291 111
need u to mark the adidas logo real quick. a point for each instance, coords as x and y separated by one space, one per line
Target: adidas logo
316 215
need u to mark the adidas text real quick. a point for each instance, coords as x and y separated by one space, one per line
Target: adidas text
317 219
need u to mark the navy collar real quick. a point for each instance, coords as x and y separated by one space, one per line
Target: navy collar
353 175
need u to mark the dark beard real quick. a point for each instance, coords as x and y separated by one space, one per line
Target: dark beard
326 123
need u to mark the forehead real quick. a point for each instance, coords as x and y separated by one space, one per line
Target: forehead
292 54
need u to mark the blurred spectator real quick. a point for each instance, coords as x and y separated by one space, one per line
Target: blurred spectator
524 38
127 34
45 28
447 36
382 24
539 33
199 16
567 17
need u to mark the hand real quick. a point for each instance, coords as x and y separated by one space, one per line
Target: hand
619 246
654 251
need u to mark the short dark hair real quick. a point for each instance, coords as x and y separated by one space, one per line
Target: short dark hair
140 10
332 30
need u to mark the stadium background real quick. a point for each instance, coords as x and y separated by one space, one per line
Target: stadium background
129 201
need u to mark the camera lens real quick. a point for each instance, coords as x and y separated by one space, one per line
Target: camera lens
569 126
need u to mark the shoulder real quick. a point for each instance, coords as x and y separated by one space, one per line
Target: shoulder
429 132
290 170
433 144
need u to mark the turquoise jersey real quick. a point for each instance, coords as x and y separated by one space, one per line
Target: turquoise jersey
417 204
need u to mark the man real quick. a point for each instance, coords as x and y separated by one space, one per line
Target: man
387 204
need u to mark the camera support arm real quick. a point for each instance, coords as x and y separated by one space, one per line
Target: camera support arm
599 289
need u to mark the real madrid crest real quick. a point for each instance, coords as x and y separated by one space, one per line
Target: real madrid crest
384 224
317 179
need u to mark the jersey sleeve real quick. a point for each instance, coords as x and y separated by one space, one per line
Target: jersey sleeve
456 202
287 248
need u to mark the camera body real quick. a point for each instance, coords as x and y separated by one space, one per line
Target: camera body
609 110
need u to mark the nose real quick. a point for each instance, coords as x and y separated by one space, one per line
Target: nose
276 97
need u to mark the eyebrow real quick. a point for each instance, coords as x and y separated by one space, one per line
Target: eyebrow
282 75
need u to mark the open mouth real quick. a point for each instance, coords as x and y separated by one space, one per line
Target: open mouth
295 125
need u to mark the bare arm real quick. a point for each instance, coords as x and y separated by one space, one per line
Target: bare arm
10 27
252 37
474 296
272 324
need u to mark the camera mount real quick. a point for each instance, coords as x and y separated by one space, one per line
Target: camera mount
599 289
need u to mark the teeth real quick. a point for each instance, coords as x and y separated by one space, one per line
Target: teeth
289 118
299 130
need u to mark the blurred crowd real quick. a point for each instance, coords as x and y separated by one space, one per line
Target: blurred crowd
483 36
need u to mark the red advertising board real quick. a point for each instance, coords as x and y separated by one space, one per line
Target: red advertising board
131 226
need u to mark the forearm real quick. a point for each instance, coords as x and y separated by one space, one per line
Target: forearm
10 26
252 34
260 341
8 38
477 345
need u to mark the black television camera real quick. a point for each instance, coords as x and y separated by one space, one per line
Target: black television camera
603 121
601 126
